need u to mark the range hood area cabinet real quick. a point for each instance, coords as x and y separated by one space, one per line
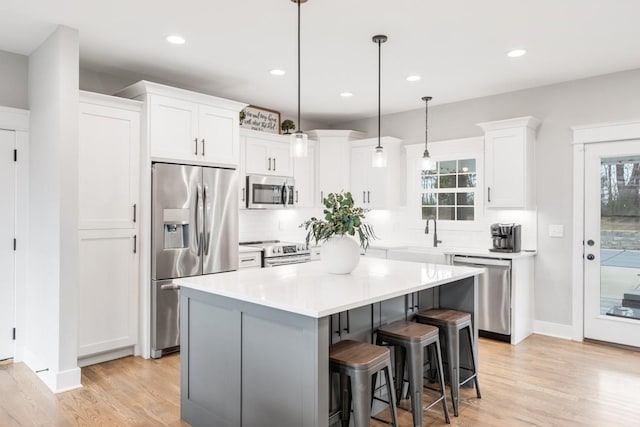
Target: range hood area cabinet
333 161
510 162
108 227
377 188
189 127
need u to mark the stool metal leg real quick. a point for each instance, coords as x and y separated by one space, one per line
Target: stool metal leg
361 395
453 358
474 365
399 358
415 356
392 395
442 387
345 400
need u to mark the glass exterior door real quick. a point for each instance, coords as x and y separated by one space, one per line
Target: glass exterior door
612 242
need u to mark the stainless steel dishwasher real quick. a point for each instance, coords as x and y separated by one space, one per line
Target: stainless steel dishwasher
494 296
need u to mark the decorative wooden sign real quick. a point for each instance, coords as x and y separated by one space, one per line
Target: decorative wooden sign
262 119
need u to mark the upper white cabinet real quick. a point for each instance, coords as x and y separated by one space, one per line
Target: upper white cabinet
510 162
304 175
267 154
109 214
377 188
189 127
333 161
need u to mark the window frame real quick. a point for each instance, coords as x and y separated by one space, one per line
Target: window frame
453 149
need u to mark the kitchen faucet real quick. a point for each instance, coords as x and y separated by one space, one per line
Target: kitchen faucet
435 230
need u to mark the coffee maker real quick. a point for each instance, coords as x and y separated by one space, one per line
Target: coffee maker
506 237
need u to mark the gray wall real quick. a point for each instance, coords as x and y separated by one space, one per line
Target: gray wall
612 97
95 81
13 80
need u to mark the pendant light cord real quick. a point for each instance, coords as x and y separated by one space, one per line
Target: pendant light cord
379 86
299 125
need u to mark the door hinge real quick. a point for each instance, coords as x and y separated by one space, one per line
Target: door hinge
14 334
15 244
15 155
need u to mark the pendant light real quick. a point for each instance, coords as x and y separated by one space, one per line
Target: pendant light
299 140
428 164
379 159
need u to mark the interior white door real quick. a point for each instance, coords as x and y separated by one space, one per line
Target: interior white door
7 234
612 242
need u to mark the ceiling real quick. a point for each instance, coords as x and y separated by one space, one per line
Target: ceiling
458 47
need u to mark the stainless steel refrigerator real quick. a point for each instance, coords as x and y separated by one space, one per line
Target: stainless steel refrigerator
194 231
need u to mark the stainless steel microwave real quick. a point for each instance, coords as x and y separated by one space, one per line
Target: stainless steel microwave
269 192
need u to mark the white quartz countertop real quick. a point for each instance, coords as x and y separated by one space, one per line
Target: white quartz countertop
246 249
486 253
308 290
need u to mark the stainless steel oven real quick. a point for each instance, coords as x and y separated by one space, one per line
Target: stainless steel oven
276 253
269 192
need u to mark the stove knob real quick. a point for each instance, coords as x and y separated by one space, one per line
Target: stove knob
278 250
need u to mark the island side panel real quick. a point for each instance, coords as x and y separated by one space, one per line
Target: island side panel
285 369
282 373
210 362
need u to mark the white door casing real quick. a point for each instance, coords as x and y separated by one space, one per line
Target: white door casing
7 235
598 278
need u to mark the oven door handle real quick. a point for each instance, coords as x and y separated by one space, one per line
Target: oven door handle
289 262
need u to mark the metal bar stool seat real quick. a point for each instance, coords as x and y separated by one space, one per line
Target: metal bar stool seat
451 323
412 339
357 362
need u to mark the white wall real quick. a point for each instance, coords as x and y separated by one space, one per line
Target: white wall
612 97
95 81
13 80
52 278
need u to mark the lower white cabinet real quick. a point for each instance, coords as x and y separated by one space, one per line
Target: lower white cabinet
108 292
251 259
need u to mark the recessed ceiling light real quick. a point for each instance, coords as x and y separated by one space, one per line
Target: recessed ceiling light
516 52
277 72
346 94
413 78
175 40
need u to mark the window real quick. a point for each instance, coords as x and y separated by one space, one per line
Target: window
449 192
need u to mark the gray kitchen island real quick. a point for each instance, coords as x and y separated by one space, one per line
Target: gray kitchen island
255 343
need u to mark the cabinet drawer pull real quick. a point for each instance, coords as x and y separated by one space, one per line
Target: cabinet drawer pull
297 199
364 197
489 194
243 194
269 168
248 259
135 243
274 163
368 196
195 144
134 212
203 146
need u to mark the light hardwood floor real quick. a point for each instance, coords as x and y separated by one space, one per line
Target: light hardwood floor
541 382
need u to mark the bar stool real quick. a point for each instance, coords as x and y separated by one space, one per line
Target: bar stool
356 362
451 323
412 339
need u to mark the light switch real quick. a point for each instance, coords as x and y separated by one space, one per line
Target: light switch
556 230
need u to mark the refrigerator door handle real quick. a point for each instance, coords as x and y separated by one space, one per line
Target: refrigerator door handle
207 238
198 223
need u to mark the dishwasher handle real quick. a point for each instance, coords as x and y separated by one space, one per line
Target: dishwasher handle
481 262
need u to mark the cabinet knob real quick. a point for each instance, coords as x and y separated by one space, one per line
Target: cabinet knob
590 242
591 257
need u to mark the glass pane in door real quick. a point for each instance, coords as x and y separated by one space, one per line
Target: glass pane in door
620 237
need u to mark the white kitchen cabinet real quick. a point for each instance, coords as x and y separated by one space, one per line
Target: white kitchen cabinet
510 162
267 154
108 187
304 174
333 161
377 188
107 294
189 127
108 166
250 259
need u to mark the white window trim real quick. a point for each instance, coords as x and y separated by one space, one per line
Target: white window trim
451 149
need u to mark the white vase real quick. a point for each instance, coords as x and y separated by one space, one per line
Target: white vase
340 255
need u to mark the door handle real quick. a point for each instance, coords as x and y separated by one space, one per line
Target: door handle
269 168
207 238
297 200
368 196
364 197
198 232
243 194
203 146
134 212
591 257
135 243
489 194
274 163
169 287
195 143
321 197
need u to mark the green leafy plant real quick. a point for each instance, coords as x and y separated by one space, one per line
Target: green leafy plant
287 126
340 217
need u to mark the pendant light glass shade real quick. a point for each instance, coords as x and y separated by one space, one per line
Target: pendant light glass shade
379 157
428 164
298 144
298 141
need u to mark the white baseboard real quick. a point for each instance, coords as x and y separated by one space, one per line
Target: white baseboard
551 329
57 381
